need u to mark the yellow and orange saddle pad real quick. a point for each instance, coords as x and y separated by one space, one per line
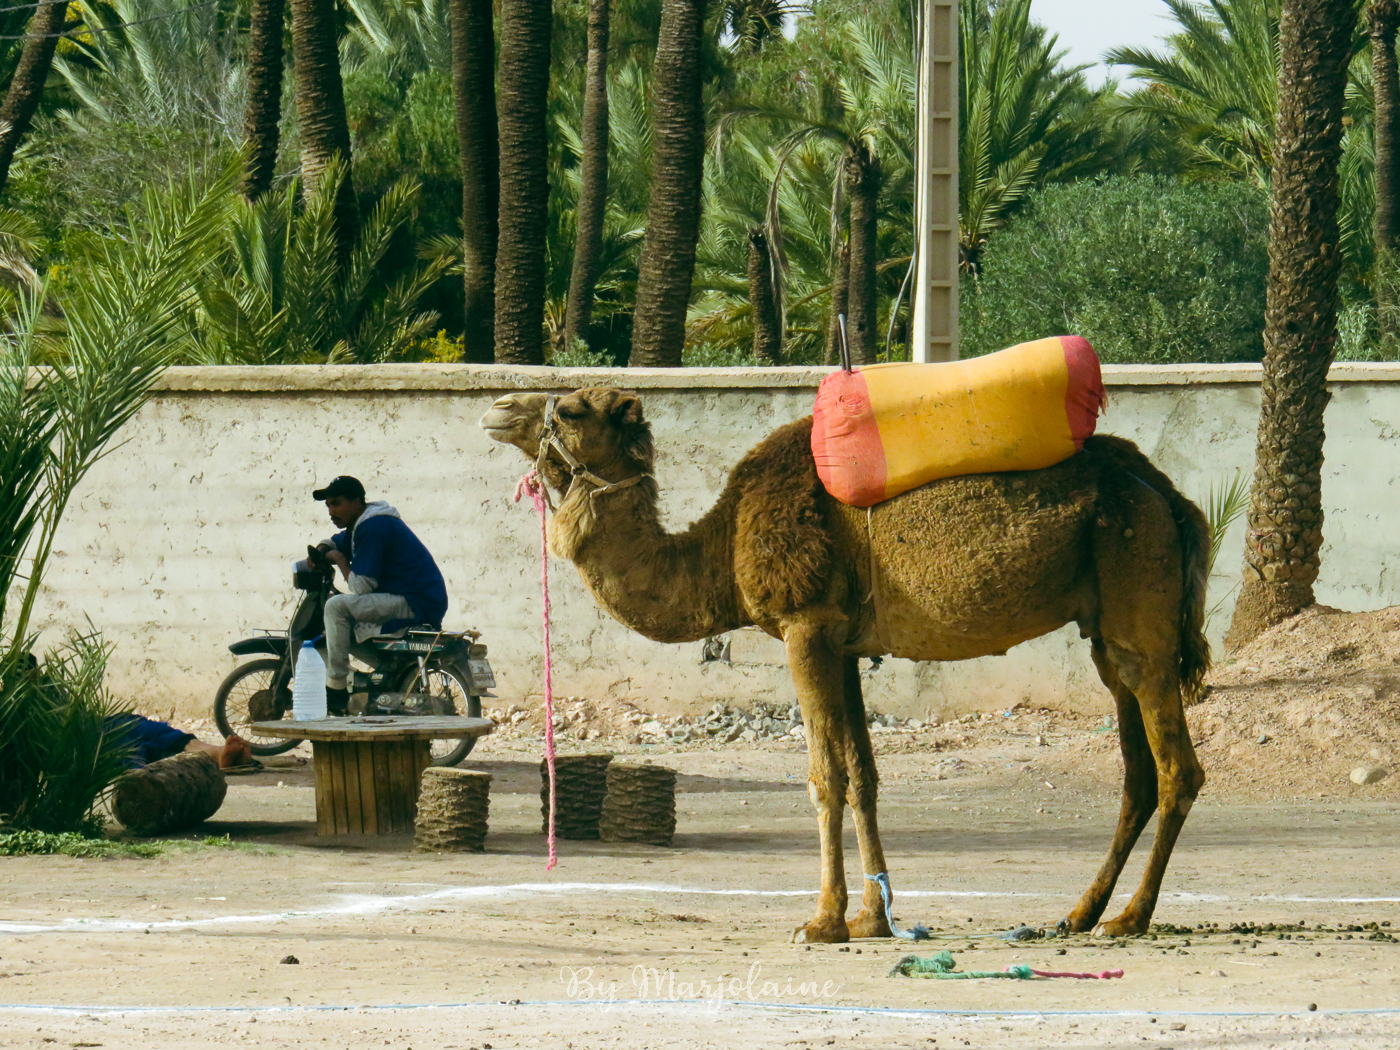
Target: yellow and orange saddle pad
885 429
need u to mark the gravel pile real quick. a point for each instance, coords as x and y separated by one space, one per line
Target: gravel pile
582 719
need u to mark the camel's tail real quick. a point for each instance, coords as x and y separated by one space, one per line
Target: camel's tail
1194 532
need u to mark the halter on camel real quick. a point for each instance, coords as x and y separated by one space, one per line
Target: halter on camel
549 439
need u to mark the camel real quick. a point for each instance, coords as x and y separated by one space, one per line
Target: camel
959 568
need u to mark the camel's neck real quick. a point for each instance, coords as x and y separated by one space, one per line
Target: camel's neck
668 587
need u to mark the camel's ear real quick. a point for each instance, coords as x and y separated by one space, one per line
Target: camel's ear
627 409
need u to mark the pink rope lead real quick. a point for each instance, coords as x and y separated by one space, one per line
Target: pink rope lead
1103 975
532 486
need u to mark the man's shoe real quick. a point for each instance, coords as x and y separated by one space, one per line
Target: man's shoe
337 702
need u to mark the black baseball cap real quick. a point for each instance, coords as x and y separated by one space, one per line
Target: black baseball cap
344 486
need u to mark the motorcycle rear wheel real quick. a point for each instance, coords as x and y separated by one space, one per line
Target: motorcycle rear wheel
232 700
447 683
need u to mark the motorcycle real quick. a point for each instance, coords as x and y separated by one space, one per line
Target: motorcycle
420 671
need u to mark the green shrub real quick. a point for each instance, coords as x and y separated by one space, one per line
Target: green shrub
579 356
1147 269
713 355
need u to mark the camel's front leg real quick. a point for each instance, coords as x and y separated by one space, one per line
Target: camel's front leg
816 672
863 787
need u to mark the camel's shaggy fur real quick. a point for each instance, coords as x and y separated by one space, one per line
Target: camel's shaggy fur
958 568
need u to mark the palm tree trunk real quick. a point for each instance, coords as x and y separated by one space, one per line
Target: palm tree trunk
474 90
1382 23
767 318
840 296
324 129
593 193
27 87
524 208
667 262
862 173
260 122
1284 533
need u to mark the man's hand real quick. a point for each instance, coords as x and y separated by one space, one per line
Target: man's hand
339 561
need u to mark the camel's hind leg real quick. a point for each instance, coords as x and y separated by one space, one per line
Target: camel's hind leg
1179 775
816 671
1139 795
861 791
1142 557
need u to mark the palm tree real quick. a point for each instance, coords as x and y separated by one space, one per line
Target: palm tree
752 22
593 190
861 172
280 291
1284 534
524 185
840 304
260 126
27 86
667 265
1015 128
322 124
763 300
1382 23
124 322
1216 86
474 93
163 66
865 122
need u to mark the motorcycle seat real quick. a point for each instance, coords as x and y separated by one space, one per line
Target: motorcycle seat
419 637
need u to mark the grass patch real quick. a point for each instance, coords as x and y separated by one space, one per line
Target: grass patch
71 844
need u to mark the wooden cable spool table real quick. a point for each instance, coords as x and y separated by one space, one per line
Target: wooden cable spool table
369 769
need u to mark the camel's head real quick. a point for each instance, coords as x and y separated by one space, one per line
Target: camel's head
602 428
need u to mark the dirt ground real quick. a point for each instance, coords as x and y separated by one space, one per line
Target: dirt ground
1276 917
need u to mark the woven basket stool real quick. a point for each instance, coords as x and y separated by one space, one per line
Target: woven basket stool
452 811
641 804
582 783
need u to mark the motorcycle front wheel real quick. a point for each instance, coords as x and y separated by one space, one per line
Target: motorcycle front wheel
247 687
447 684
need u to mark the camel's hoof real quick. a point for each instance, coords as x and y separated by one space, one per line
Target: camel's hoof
819 932
1075 923
864 925
1123 926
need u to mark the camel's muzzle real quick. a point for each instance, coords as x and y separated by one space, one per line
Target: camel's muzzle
508 420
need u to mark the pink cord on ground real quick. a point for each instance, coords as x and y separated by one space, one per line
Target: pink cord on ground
1102 975
532 486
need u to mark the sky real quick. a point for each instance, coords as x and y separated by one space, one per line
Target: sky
1088 28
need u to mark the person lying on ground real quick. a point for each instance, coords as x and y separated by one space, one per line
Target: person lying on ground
151 741
393 581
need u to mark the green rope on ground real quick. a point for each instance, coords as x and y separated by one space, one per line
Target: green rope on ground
941 967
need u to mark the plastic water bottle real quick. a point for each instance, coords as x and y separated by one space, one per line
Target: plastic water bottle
309 685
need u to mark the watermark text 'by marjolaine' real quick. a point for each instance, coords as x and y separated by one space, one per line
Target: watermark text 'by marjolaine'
648 982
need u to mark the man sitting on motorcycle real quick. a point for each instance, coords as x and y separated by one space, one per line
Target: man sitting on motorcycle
391 578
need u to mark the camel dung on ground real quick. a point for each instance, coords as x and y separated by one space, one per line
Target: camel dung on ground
959 568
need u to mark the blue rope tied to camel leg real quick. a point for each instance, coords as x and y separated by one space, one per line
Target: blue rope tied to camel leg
918 932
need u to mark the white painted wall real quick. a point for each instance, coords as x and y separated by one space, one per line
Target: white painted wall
183 538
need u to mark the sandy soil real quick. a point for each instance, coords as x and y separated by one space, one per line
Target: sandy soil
978 840
1275 924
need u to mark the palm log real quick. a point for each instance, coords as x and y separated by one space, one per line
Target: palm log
582 783
640 805
170 795
452 811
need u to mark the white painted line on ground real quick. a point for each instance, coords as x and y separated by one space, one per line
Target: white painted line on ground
370 904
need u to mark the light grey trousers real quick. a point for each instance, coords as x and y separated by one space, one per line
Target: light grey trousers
353 618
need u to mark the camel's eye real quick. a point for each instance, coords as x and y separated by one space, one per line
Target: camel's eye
571 411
